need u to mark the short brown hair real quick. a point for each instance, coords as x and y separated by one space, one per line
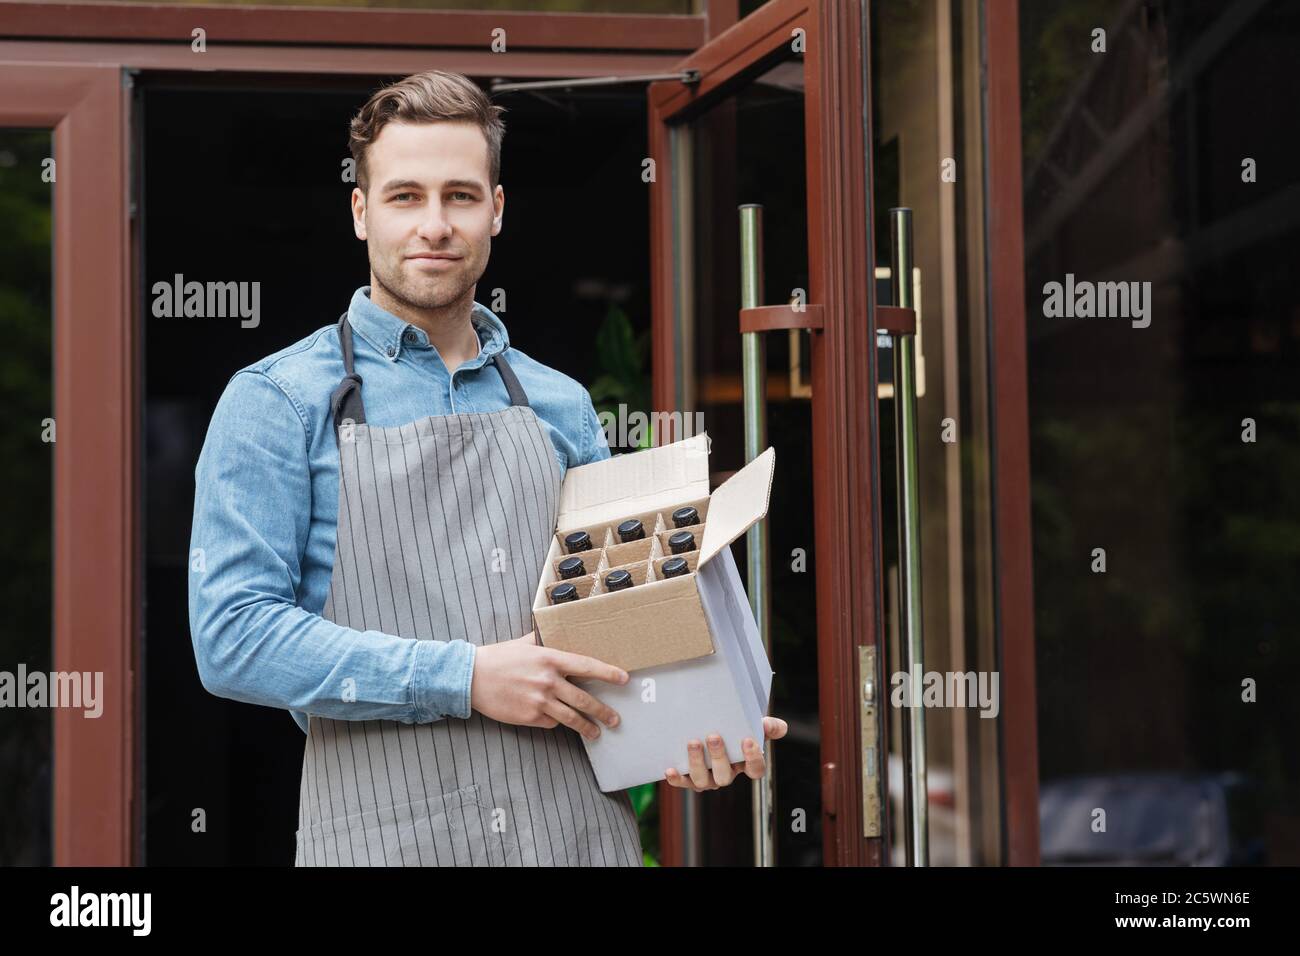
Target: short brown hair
426 98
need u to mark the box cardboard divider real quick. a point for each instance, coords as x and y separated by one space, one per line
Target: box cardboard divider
689 643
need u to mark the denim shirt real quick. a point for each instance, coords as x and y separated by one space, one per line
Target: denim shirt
266 514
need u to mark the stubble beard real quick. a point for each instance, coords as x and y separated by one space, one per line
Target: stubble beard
437 294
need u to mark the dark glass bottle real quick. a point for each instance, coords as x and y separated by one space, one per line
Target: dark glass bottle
631 530
685 517
618 580
674 567
681 541
576 541
572 568
563 594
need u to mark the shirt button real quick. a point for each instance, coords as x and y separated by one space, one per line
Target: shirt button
410 337
392 350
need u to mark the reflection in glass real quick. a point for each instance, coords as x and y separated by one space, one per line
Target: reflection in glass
926 117
1165 448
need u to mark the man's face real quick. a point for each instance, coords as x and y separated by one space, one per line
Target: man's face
429 215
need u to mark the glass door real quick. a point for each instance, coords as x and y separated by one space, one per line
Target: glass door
767 128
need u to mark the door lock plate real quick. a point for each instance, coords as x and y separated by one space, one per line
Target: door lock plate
869 721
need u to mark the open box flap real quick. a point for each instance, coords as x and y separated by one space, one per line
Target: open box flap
648 480
737 503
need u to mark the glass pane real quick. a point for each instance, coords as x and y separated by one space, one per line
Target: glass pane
750 149
26 483
927 155
1165 434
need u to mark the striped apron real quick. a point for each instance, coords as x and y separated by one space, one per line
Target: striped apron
444 524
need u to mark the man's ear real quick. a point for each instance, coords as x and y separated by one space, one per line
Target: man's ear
499 208
359 213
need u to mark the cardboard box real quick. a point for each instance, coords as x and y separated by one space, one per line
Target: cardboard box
689 643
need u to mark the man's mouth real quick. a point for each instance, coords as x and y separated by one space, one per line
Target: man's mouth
434 260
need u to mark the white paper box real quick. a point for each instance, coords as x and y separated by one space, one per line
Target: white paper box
726 693
690 644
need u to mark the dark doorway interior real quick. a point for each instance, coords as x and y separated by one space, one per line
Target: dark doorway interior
244 183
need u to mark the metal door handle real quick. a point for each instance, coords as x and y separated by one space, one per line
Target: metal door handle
915 794
754 389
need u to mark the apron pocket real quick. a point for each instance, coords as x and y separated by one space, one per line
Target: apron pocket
502 846
449 829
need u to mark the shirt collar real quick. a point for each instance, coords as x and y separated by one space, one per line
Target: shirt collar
389 334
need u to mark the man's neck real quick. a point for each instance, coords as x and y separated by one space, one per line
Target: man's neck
450 328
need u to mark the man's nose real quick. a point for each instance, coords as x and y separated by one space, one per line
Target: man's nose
434 225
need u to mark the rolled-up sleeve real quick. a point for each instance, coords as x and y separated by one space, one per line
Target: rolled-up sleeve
595 447
252 643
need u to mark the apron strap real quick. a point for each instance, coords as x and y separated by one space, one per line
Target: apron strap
345 402
517 394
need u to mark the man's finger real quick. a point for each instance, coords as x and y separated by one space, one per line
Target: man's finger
774 728
580 700
755 764
582 666
722 774
699 772
675 779
571 718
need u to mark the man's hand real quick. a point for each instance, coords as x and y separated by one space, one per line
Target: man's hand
520 682
722 772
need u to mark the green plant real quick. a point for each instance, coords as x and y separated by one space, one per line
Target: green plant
624 379
647 819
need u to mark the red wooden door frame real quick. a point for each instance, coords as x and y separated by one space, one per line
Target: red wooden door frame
1008 372
95 491
431 31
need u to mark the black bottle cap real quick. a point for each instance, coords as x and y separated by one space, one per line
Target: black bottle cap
572 568
685 517
631 530
576 541
674 567
563 594
681 541
618 580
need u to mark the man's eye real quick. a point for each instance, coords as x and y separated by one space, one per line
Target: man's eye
400 195
468 196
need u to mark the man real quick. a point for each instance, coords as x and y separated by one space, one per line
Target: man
373 506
